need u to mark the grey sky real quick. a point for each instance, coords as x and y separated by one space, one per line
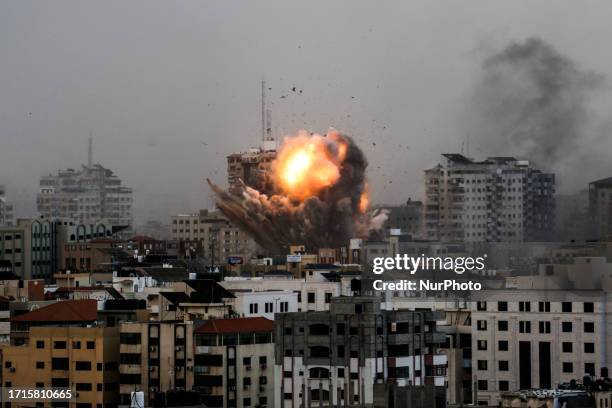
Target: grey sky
169 88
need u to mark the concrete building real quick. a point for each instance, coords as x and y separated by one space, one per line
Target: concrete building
83 359
524 339
336 357
313 293
87 196
251 303
495 200
6 209
600 207
251 167
155 356
234 363
404 219
214 234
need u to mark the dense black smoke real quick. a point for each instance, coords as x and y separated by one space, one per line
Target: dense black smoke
327 220
532 101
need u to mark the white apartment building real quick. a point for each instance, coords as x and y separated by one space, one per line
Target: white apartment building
524 339
251 303
88 195
496 200
313 293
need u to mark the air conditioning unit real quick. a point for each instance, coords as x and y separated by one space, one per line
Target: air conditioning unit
262 388
248 368
232 388
151 368
179 348
152 349
263 366
246 387
12 369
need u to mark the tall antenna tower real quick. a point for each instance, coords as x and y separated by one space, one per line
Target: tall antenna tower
89 152
266 122
263 112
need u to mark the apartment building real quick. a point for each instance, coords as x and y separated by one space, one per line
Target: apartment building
88 195
81 358
495 200
249 303
404 219
600 207
6 209
250 168
210 231
313 293
524 339
154 357
234 363
336 357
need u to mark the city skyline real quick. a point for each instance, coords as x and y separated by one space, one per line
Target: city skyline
161 96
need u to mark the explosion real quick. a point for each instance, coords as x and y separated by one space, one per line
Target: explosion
316 194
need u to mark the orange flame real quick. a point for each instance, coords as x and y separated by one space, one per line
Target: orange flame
364 200
307 164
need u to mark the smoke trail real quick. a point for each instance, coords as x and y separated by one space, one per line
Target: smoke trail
331 169
532 101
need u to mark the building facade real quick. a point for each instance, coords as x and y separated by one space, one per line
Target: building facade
6 209
523 339
87 196
250 168
600 207
337 357
496 200
234 363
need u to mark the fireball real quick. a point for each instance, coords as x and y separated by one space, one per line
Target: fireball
307 164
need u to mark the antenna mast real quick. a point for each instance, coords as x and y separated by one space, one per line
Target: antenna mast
263 112
90 152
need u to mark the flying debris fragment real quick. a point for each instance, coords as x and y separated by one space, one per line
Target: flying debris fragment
316 194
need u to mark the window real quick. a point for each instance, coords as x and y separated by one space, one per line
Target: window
246 361
482 345
76 345
40 344
481 306
502 306
328 297
543 306
589 327
502 345
504 386
524 326
253 308
589 348
502 325
311 297
524 306
544 327
263 360
483 385
340 329
8 364
91 345
568 367
503 365
246 402
83 386
83 365
566 327
589 368
59 364
129 338
567 347
482 365
566 307
589 307
59 345
481 325
40 364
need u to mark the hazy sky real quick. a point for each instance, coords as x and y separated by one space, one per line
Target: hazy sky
168 89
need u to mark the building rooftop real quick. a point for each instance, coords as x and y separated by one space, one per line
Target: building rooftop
605 182
63 311
238 325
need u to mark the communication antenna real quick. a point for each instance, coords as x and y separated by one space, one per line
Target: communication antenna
90 151
263 112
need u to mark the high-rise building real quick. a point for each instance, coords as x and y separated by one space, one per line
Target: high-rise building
335 358
250 167
405 218
499 199
6 209
600 207
90 195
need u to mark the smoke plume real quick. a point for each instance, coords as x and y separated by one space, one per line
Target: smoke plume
534 102
316 195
